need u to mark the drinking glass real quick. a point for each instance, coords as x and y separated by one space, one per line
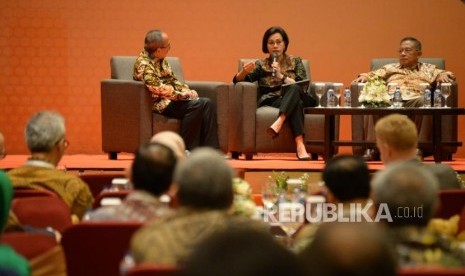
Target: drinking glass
291 213
270 193
337 92
319 91
391 86
445 91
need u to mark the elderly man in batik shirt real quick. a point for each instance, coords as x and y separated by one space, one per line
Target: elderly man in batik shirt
408 74
173 98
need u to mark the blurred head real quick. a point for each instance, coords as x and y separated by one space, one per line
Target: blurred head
347 178
406 187
6 195
241 252
2 146
45 132
172 140
157 44
204 180
447 177
360 249
153 167
396 138
275 39
409 52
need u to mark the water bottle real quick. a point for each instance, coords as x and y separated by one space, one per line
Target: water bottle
427 98
347 98
331 98
437 98
397 100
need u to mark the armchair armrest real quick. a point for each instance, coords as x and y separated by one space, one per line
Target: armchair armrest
126 115
242 117
218 93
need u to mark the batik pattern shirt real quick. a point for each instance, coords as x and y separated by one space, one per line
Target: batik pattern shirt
70 188
269 85
138 206
408 79
160 81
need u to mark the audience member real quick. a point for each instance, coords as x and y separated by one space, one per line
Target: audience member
396 138
273 71
172 140
151 176
360 249
46 140
448 178
241 252
408 74
2 146
347 182
407 194
205 195
10 261
173 98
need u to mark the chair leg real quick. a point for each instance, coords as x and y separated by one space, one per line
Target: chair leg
235 155
248 156
112 155
314 156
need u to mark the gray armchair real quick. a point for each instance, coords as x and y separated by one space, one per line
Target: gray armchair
248 123
449 123
127 117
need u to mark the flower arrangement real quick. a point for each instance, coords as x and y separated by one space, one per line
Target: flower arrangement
374 93
282 181
243 204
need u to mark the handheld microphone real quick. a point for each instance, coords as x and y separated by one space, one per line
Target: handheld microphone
275 57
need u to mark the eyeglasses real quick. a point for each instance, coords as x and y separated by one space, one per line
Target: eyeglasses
277 42
167 46
406 50
65 142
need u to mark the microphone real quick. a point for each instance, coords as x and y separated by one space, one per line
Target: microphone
275 57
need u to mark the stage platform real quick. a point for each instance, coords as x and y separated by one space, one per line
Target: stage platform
97 170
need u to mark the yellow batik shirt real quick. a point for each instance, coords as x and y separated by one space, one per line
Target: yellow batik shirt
408 79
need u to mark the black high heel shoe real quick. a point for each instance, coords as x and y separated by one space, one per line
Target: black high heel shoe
308 158
272 133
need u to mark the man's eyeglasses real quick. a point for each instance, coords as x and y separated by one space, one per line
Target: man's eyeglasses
406 50
167 46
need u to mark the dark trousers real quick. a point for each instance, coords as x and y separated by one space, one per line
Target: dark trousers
292 104
198 122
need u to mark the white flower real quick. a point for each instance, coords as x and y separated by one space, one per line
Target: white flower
374 93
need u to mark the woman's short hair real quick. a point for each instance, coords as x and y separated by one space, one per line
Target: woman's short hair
271 31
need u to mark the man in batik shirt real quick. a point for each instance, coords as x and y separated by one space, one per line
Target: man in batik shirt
173 98
408 74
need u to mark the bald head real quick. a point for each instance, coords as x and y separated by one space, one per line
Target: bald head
173 141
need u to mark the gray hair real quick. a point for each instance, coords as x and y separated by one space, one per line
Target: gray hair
407 185
205 180
44 130
153 40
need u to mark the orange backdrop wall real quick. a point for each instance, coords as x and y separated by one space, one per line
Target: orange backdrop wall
54 53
